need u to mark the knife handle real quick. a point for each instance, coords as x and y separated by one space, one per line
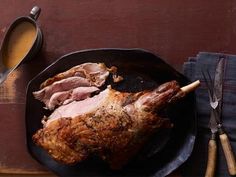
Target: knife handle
229 155
211 162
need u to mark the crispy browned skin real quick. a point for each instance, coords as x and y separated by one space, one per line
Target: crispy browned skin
115 132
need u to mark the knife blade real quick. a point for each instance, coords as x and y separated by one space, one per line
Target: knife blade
218 87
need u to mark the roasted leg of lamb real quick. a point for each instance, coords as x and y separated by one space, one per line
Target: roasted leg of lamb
112 125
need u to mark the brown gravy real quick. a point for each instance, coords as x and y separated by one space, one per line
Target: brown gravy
19 43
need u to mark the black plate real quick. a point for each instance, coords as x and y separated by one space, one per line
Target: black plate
166 151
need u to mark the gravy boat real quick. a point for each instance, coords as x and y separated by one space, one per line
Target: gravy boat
35 47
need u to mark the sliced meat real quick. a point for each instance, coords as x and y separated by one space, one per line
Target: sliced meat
66 97
57 90
76 108
45 94
94 72
81 93
57 99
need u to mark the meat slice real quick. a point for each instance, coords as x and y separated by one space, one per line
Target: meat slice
94 72
81 93
113 125
57 99
45 94
66 97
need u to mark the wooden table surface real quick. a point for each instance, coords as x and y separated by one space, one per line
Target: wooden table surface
174 30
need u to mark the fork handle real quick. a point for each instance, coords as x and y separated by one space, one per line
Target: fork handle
211 161
229 155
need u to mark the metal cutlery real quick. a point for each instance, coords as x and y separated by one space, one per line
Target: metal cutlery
215 92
